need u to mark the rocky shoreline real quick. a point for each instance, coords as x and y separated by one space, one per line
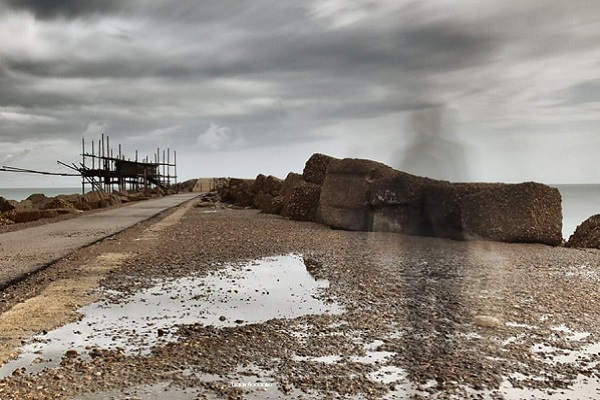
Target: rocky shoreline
403 315
411 327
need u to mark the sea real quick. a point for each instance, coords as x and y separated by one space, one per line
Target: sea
579 201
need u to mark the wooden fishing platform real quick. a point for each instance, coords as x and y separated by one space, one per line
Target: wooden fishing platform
102 170
109 172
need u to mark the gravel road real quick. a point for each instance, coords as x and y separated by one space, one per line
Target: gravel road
385 316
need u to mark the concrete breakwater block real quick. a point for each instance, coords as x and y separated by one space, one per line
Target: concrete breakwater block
369 196
304 201
346 193
525 212
365 195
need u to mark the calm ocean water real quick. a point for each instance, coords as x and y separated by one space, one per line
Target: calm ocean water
579 201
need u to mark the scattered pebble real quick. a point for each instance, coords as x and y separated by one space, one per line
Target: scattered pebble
421 319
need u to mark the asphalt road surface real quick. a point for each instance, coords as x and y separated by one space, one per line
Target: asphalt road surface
27 250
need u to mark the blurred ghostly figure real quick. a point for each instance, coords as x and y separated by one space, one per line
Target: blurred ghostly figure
432 153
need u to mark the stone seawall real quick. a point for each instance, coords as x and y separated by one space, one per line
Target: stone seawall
364 195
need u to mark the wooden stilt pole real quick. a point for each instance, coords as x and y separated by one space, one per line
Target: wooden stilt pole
83 164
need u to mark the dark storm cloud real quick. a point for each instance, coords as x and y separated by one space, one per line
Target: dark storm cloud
263 72
64 8
265 42
111 68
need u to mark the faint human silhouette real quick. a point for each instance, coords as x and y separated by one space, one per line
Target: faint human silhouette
431 152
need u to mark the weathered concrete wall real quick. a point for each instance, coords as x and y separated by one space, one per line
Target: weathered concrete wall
525 212
304 201
365 195
396 201
291 181
443 206
267 197
315 168
346 192
369 196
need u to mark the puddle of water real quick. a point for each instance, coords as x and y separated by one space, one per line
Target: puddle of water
329 359
372 356
385 373
553 355
254 381
583 388
520 325
274 287
566 356
574 336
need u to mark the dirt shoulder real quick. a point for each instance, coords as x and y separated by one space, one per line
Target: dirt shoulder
413 305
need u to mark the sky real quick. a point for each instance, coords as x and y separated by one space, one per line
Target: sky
467 90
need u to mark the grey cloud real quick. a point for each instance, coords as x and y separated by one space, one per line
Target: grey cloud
109 68
279 48
65 8
434 47
10 157
584 92
371 109
269 72
445 47
17 92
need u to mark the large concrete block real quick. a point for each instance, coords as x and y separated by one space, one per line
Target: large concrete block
57 202
304 201
287 187
407 219
345 218
268 203
19 215
443 205
398 188
259 183
525 212
39 200
273 185
397 203
346 192
266 190
315 168
239 192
